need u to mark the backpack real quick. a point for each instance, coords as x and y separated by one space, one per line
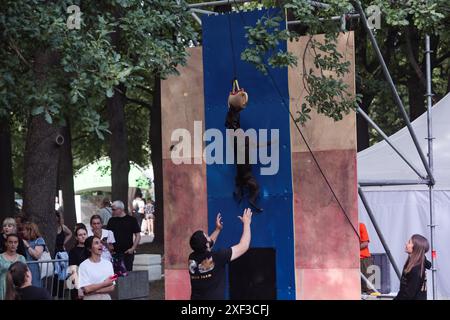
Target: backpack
46 264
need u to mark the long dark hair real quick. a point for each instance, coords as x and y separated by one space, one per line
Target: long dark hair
15 278
417 257
88 245
79 227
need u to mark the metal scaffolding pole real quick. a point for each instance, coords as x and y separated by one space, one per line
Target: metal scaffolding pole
335 18
385 137
430 162
368 282
377 229
231 2
199 21
204 11
397 99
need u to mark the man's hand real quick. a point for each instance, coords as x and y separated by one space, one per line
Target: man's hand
219 224
130 251
247 216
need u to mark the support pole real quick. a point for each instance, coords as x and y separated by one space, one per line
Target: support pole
223 2
335 18
385 137
383 183
397 99
377 229
368 282
204 11
199 21
430 162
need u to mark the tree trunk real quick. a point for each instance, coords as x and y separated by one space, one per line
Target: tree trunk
118 147
6 172
40 180
156 158
415 85
65 172
362 127
415 96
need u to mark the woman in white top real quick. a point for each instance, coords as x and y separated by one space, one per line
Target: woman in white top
96 275
106 236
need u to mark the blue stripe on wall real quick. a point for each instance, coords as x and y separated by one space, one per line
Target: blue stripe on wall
274 227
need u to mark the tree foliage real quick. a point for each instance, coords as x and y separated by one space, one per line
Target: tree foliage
401 21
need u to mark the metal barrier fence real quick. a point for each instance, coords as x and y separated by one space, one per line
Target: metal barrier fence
57 288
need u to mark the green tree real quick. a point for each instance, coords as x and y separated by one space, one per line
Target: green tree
401 39
52 72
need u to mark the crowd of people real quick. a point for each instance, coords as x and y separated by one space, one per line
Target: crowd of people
413 282
102 252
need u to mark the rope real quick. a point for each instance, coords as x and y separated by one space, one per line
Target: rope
232 46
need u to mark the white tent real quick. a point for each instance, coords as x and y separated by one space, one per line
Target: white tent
402 211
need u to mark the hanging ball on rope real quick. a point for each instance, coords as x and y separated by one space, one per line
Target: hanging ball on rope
237 98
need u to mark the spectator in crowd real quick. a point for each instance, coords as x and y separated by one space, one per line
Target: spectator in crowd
21 219
63 233
10 227
105 211
96 275
147 224
76 256
107 236
7 258
413 283
63 236
364 257
207 267
19 284
138 206
124 228
34 247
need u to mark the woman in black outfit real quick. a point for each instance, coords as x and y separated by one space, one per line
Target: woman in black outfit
63 235
18 284
78 254
413 284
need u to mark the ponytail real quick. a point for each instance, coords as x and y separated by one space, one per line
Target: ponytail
11 292
15 278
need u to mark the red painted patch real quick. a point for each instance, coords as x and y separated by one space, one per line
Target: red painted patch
177 284
324 238
185 209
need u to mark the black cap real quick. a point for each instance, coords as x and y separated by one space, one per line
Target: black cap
198 241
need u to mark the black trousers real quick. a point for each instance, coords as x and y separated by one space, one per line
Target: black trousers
128 260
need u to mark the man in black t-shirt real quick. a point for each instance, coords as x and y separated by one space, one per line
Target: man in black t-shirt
124 228
206 267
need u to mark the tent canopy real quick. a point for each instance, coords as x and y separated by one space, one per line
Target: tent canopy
96 176
402 211
381 162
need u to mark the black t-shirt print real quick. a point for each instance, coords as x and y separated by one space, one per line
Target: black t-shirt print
208 275
123 228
